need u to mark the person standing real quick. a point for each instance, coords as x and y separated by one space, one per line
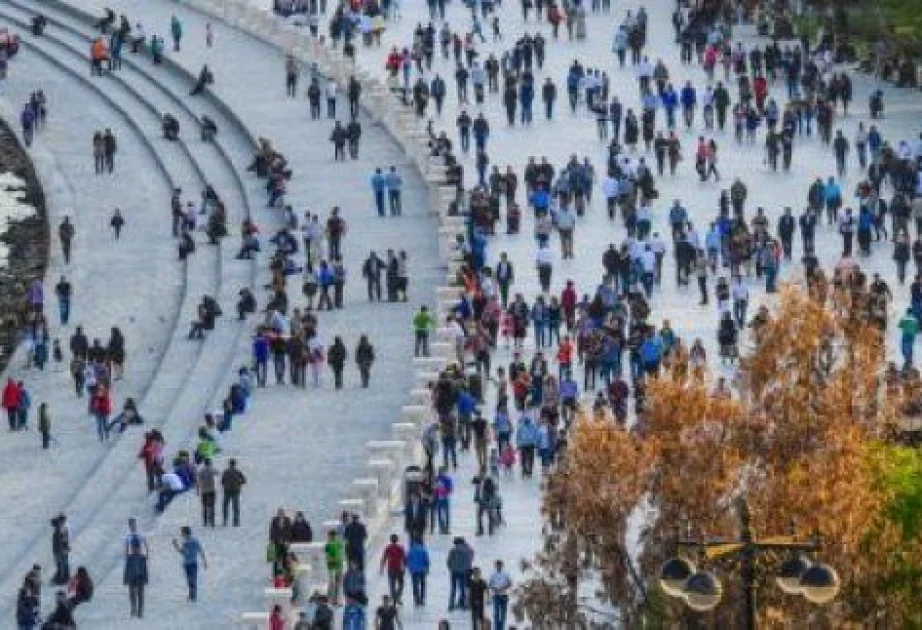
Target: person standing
135 577
66 234
176 32
60 549
422 325
500 584
191 551
63 290
356 535
335 555
232 482
378 188
206 488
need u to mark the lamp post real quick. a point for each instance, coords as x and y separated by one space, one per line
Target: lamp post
701 590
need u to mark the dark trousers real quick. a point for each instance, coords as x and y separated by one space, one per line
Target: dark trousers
395 585
191 580
136 597
419 588
232 499
208 500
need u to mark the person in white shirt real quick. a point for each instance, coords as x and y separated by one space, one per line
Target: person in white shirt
457 336
500 584
135 537
566 223
740 294
610 192
544 261
331 91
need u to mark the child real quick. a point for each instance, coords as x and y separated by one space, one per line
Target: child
277 620
507 459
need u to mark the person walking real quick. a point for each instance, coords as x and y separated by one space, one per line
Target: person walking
394 183
44 425
191 551
135 577
459 562
418 566
336 358
393 561
63 290
109 148
116 223
232 482
364 358
66 233
500 584
291 76
478 590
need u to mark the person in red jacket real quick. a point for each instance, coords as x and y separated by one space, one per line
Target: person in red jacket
568 304
277 619
11 398
101 407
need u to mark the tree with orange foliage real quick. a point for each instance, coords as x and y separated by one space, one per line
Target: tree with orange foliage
804 439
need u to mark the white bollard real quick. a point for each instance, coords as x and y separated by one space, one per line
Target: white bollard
383 470
421 396
387 449
367 489
406 431
353 506
416 415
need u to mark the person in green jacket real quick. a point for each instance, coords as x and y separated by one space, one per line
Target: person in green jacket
44 425
909 328
422 325
335 553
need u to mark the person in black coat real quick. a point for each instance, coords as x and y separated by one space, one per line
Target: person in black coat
336 357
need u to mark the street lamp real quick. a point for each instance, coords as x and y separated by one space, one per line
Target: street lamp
817 582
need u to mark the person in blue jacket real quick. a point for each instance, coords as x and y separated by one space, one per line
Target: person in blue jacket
670 103
261 358
417 564
378 187
526 440
689 100
651 353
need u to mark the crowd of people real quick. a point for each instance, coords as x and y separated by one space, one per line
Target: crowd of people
569 344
